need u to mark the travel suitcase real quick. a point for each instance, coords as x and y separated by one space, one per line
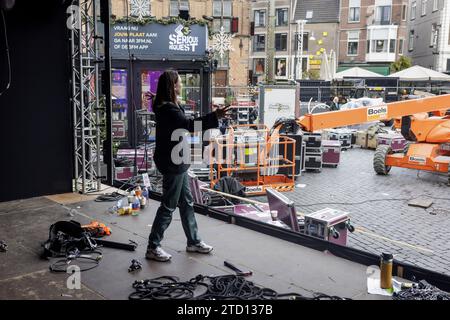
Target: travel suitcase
123 173
393 139
313 161
325 134
313 140
342 135
331 153
361 139
372 135
328 224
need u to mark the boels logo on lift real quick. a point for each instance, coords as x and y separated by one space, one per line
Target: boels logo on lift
377 113
182 41
418 159
255 189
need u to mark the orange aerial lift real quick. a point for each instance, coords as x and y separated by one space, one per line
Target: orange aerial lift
421 123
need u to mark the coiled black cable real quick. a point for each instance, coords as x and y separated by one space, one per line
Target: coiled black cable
227 287
85 260
422 291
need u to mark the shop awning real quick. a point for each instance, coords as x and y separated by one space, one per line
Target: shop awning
418 73
356 72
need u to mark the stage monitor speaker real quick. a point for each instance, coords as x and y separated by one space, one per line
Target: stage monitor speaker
7 4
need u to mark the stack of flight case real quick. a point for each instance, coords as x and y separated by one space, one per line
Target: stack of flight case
313 152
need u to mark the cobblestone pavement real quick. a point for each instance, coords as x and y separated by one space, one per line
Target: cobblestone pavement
378 207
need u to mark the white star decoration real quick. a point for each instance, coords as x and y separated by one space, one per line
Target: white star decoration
222 42
140 8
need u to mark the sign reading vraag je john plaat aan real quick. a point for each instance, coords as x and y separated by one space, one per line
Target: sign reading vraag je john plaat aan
157 41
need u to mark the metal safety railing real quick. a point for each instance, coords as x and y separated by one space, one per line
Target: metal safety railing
254 158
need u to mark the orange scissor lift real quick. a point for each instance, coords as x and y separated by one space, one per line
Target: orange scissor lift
251 155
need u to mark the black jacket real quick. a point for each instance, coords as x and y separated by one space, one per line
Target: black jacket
169 117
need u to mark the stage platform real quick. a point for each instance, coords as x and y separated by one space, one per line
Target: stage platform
276 264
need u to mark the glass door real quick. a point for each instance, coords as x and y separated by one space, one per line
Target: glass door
119 91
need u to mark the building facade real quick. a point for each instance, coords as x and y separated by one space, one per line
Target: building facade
373 33
233 65
259 16
429 34
320 35
318 31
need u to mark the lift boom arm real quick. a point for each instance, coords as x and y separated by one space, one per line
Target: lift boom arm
334 119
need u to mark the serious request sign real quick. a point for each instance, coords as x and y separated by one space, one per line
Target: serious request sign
157 41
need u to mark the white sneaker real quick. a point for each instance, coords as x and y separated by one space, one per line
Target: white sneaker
200 247
157 254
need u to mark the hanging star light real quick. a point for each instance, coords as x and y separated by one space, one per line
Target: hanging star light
222 42
140 8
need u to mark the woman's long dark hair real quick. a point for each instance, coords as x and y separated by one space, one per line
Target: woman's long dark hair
166 88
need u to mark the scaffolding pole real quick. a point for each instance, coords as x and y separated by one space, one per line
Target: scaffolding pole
85 97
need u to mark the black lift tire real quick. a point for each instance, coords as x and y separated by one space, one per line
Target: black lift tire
379 159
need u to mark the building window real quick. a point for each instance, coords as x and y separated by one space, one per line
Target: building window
435 5
352 43
434 35
380 46
259 65
218 23
354 10
424 7
411 41
383 15
222 62
368 46
448 65
404 10
281 41
305 41
400 46
280 67
259 42
227 8
260 18
392 46
119 90
281 16
176 6
222 15
222 8
413 10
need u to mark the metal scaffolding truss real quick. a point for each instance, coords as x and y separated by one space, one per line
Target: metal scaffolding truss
85 96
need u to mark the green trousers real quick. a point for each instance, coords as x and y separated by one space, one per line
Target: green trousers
176 191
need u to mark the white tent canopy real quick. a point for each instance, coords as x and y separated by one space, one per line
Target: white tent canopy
356 72
418 73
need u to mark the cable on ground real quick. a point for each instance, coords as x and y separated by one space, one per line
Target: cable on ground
227 287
